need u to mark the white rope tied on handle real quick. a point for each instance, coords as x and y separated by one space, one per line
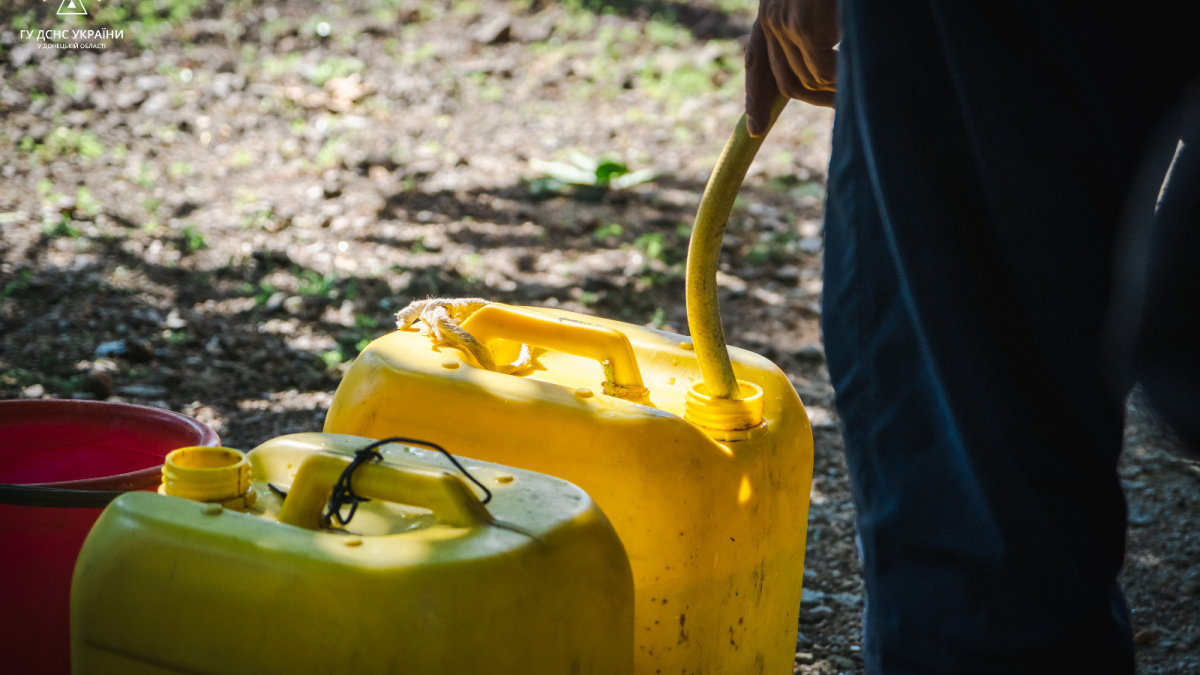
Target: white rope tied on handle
440 319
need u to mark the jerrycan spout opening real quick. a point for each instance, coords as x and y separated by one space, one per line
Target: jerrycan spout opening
725 419
211 475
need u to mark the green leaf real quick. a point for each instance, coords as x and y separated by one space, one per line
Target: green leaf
583 161
608 169
564 173
635 178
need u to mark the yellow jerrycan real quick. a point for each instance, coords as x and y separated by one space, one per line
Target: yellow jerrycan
423 577
700 455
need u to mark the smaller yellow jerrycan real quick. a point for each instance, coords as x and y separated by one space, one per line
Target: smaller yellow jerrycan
319 553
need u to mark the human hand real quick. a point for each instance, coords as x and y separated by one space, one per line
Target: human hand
791 53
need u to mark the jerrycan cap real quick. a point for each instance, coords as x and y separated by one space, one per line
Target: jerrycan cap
725 419
212 475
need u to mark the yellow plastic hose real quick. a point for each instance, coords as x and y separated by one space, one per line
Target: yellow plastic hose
704 252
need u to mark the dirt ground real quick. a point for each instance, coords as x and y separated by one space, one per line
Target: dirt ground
216 211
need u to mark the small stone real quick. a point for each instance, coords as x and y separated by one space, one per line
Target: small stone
812 596
275 302
788 273
820 418
804 657
147 315
841 662
293 304
129 98
22 54
1141 519
494 31
174 320
142 390
851 600
150 82
1147 636
810 354
97 383
33 391
138 352
814 614
112 348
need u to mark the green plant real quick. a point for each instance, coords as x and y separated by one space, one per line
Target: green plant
774 248
59 227
179 170
330 154
18 284
334 358
64 141
191 240
257 215
241 159
86 203
609 231
651 244
334 67
583 171
262 291
314 284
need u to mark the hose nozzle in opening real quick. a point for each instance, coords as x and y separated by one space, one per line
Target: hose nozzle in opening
211 475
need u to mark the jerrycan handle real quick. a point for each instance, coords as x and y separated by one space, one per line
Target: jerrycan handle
609 346
451 501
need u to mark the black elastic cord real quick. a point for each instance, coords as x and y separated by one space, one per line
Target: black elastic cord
343 490
434 446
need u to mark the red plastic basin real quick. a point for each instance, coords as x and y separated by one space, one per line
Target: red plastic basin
68 451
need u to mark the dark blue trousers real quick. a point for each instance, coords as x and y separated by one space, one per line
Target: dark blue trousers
982 155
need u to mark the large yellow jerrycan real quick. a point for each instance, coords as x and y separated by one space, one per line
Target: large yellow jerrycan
713 517
424 578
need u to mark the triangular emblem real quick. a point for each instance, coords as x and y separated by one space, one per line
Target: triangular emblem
71 7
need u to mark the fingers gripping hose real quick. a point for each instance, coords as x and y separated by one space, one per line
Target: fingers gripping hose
704 252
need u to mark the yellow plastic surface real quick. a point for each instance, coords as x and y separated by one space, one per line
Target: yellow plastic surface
714 529
424 579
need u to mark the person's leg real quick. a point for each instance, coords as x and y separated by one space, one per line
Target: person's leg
974 195
1166 356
